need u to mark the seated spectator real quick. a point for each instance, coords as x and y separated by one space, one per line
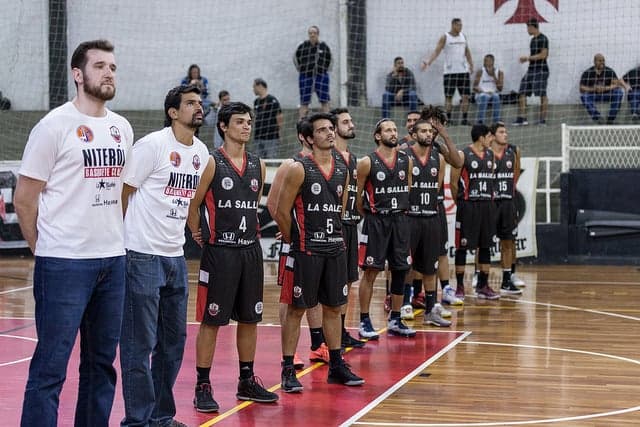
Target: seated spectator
223 99
400 88
600 84
631 81
194 77
487 86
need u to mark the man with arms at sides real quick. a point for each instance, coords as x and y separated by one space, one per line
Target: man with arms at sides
472 188
318 351
160 178
68 203
309 212
269 120
312 59
507 170
384 177
224 215
458 65
535 79
350 216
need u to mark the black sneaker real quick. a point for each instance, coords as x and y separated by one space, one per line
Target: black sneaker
253 390
349 341
342 375
203 402
174 423
290 383
509 288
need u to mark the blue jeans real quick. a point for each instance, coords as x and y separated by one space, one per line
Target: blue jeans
634 101
614 96
154 324
72 294
483 99
409 98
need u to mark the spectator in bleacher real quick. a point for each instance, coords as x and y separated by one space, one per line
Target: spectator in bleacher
600 83
224 98
487 86
631 81
535 79
194 77
458 66
399 89
268 121
312 60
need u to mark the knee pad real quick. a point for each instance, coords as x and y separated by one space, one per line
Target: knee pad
484 256
461 256
397 282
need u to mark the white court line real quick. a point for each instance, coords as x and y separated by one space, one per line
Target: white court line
403 381
568 307
16 290
582 282
13 362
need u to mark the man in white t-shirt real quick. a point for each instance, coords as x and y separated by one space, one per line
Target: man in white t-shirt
458 65
68 203
161 177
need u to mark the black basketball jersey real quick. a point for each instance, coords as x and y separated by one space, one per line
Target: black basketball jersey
229 212
317 209
476 177
423 198
504 187
350 215
387 187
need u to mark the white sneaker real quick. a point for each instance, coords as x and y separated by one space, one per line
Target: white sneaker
449 296
396 327
517 281
434 317
406 312
474 281
443 311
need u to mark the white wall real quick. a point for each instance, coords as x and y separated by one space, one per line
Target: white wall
578 30
24 67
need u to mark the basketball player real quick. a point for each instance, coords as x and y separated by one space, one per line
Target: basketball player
231 269
68 203
309 213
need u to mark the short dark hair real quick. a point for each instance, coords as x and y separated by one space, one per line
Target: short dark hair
414 128
222 93
397 58
533 22
79 56
456 21
497 125
413 112
339 110
226 111
316 27
489 55
173 99
301 126
479 130
260 82
307 131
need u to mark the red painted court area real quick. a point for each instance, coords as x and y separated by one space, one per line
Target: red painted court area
381 363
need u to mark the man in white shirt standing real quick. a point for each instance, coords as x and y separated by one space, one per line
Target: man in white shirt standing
160 179
68 203
458 65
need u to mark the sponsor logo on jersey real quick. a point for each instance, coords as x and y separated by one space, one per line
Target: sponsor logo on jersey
297 291
84 133
229 236
416 170
339 190
401 175
369 260
380 176
355 174
316 188
319 235
115 134
213 309
196 162
345 290
254 185
489 164
227 183
174 158
434 172
509 164
474 164
259 307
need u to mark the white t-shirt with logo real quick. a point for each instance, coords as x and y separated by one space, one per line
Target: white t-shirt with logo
455 59
166 174
81 159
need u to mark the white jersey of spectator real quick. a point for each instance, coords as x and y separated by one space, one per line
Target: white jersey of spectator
81 159
487 82
166 174
455 60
